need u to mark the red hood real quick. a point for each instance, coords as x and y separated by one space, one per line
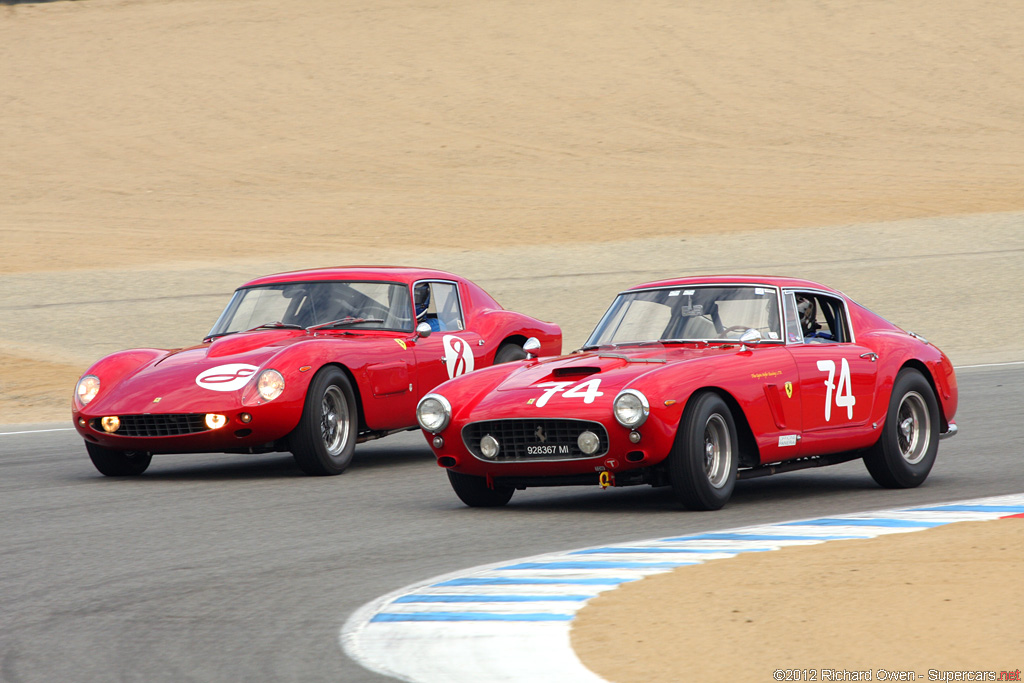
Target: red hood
598 375
200 378
615 367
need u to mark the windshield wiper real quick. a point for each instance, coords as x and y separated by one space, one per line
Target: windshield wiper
277 325
347 320
685 341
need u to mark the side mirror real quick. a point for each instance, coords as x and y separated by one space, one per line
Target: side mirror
751 337
424 330
532 344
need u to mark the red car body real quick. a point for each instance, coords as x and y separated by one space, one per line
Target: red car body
161 397
795 398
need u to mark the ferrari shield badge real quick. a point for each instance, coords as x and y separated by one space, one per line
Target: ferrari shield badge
789 390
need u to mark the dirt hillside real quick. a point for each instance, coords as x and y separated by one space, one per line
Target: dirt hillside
154 154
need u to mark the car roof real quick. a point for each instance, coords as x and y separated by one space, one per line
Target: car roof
766 280
372 273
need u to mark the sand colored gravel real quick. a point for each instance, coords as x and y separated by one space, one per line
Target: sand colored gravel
947 599
208 134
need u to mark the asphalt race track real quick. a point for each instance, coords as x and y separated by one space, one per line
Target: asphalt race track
235 568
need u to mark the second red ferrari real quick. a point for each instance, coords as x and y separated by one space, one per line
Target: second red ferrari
310 362
693 383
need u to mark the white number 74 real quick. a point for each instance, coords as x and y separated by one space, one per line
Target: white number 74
588 391
844 392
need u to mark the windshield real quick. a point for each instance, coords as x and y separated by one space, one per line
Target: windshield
697 313
332 305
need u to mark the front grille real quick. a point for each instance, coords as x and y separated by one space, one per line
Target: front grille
158 425
534 439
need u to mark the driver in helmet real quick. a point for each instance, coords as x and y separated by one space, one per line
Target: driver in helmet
421 297
808 315
809 319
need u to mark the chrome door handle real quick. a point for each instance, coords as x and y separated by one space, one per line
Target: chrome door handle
870 354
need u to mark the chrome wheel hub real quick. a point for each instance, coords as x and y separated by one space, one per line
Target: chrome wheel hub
717 451
334 421
914 427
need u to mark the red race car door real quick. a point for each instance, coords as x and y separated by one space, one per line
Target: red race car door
837 375
450 350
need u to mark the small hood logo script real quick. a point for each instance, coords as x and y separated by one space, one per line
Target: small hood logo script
230 377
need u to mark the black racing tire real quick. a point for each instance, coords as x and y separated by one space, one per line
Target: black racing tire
509 352
704 459
324 441
115 463
905 452
474 492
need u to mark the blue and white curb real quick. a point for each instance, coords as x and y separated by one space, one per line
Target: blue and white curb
510 621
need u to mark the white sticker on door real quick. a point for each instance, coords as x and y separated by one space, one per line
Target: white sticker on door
458 356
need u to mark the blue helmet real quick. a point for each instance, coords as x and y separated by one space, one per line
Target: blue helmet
421 297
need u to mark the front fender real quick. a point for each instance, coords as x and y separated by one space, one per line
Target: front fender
117 366
745 380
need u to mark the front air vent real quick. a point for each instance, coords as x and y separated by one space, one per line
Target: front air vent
157 425
534 439
575 371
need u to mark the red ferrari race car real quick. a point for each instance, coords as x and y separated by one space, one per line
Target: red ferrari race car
694 383
310 361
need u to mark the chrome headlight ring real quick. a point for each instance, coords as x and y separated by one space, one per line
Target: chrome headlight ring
433 413
270 384
631 408
86 389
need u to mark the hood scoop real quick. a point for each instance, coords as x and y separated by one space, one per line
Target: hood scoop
575 371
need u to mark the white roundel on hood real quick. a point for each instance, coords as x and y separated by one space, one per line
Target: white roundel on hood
230 377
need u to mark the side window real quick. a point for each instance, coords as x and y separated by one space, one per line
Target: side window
437 304
794 333
815 318
832 319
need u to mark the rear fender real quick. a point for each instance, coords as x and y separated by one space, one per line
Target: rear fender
930 362
945 390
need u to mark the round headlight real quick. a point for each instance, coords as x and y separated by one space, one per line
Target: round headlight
215 421
87 389
433 413
631 408
588 442
111 423
489 447
270 385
